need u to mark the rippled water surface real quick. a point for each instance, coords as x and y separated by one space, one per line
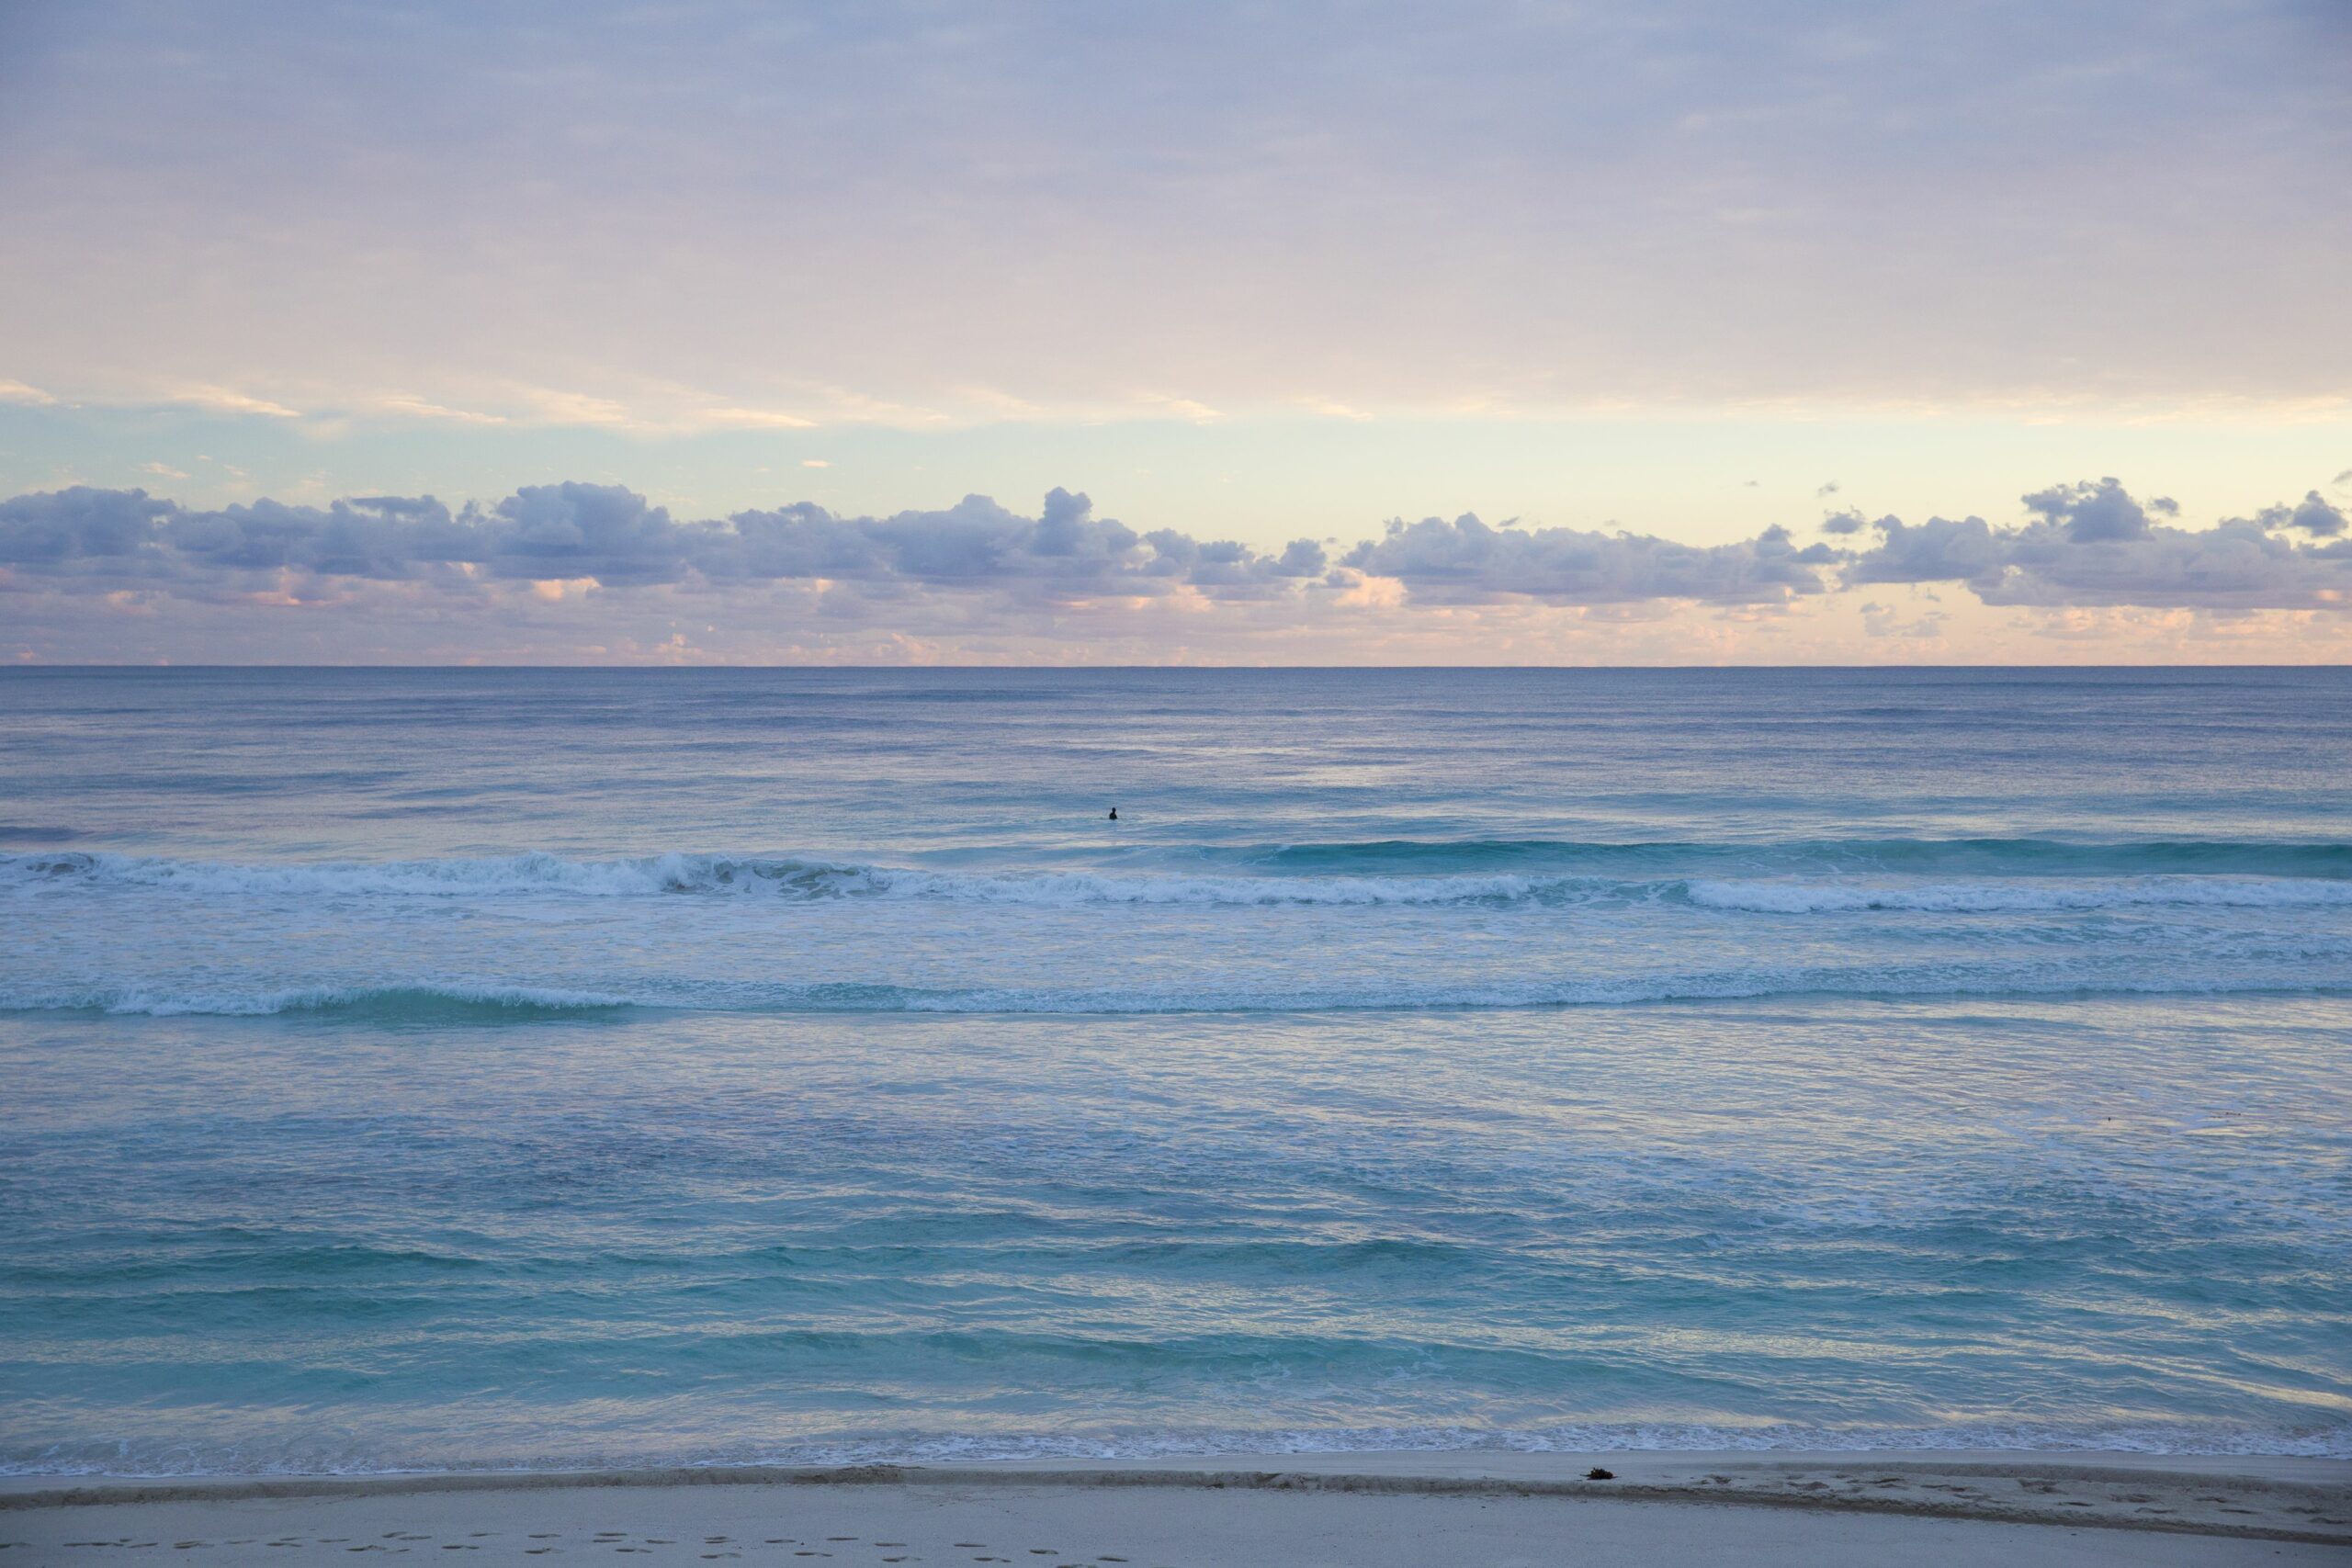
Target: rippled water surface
540 1068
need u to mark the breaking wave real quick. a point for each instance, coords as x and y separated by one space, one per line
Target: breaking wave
810 879
430 1000
421 1001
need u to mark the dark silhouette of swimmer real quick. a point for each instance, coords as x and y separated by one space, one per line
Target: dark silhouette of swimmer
1115 814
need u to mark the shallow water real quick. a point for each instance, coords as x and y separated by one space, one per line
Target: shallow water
539 1067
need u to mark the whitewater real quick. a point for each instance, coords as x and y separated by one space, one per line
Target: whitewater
543 1068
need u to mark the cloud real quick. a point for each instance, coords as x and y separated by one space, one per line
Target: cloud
1215 200
226 400
574 532
979 570
2090 513
1884 621
1937 550
749 419
1467 560
416 407
2095 545
1182 408
2313 514
1331 408
18 392
64 528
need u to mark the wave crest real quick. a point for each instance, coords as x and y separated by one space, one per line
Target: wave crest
539 875
2018 897
421 1000
462 999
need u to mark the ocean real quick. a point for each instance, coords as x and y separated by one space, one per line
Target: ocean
549 1068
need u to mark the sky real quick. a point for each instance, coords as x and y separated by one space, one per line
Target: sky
1701 331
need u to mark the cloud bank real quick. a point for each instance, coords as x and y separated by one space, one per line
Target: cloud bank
112 538
1467 560
108 540
2096 545
981 575
1604 201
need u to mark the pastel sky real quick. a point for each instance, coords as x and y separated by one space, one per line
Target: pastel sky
1334 330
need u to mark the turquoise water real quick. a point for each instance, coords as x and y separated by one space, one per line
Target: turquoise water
502 1069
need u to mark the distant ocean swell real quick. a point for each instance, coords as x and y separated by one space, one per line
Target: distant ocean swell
2322 878
424 1001
1515 1060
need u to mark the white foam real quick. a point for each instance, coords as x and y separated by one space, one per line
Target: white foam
133 1460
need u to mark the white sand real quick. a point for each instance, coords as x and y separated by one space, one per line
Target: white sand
1362 1510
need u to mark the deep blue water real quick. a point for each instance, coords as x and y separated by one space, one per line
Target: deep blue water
554 1068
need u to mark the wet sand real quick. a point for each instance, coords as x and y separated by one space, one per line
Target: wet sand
1363 1510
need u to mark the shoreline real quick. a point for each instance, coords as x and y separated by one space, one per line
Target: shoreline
1828 1506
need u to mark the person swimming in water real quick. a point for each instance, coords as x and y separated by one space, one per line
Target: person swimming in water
1115 814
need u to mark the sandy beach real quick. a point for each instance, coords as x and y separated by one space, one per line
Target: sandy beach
1375 1511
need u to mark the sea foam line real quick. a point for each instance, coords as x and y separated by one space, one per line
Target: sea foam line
137 1460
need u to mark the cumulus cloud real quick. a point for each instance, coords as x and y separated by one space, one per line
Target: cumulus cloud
572 532
2090 513
66 528
2081 545
2095 545
2314 514
1469 560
